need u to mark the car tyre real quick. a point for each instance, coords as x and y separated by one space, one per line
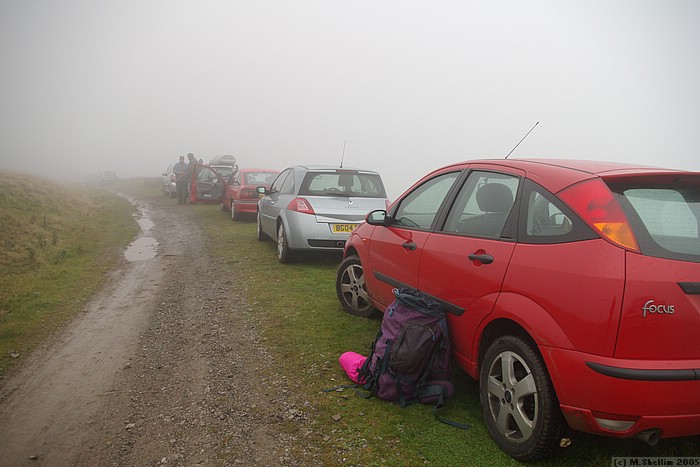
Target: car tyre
234 215
351 288
284 254
258 227
519 405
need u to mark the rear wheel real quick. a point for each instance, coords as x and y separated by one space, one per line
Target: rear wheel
284 254
351 288
519 404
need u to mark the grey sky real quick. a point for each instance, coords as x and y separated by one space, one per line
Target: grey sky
89 85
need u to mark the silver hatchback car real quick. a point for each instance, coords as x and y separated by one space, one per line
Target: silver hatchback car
316 207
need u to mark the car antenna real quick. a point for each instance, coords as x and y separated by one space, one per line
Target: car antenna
343 156
533 127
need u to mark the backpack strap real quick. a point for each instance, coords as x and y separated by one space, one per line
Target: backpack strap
435 390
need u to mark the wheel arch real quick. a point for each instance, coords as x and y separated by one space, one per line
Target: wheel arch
350 251
497 328
517 315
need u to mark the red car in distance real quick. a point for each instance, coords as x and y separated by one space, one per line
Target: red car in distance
241 197
572 287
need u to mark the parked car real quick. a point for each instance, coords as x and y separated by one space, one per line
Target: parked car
241 195
316 207
168 182
573 291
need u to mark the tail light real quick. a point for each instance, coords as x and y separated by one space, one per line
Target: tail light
249 193
595 203
301 205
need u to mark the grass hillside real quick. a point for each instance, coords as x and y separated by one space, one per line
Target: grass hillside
57 242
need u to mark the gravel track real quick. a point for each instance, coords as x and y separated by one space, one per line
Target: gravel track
164 367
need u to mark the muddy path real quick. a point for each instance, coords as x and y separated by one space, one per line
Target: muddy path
164 366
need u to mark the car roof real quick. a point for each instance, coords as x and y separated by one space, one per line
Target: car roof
249 169
556 174
314 167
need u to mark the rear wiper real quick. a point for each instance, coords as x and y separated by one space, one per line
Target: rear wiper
346 194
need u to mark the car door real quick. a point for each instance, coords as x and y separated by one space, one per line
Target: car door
465 260
207 184
395 250
270 205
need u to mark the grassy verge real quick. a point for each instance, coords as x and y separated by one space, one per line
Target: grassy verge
58 243
301 319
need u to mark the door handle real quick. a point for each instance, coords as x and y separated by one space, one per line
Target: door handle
483 258
409 246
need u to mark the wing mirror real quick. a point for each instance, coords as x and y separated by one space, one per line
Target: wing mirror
377 217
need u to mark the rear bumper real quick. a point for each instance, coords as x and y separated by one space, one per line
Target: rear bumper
246 207
623 398
305 233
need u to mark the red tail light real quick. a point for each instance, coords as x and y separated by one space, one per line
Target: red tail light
300 205
593 201
249 193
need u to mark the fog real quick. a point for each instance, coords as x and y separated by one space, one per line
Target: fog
405 86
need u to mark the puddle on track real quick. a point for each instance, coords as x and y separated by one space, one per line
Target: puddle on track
144 247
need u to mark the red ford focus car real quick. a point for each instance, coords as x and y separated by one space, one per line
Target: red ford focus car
573 291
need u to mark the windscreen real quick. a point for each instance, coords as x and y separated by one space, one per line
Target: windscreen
259 178
343 183
665 215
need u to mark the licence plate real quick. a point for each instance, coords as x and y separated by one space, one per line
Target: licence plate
343 228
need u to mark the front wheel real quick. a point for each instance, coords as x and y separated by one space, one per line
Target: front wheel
351 288
258 227
518 401
284 254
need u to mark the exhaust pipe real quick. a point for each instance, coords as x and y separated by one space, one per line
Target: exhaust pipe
650 437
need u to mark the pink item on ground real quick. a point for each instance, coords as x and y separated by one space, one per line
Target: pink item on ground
351 362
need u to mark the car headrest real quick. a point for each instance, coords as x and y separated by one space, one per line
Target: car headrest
494 197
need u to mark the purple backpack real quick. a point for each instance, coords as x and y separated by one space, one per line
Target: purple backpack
410 358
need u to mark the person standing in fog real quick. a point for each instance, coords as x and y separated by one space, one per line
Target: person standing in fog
180 171
191 169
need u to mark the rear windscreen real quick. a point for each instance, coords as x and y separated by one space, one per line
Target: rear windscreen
347 183
259 178
665 216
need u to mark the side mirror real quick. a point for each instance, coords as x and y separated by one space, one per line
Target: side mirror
377 217
261 190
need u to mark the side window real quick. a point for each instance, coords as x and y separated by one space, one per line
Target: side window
419 208
544 218
483 205
277 184
287 187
